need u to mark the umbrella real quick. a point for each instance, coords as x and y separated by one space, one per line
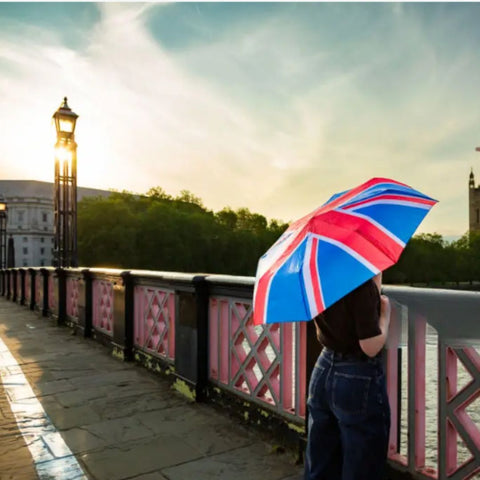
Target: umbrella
334 249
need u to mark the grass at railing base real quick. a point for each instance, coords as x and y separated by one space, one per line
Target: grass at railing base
154 364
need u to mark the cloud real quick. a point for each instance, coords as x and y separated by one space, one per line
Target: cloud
275 113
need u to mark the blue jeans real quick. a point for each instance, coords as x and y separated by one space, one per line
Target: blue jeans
349 419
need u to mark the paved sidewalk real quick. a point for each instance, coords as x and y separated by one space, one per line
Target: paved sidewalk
119 420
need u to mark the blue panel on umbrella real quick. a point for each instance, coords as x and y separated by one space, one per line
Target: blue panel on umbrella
401 220
339 272
287 300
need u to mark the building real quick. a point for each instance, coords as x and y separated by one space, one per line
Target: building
30 218
474 204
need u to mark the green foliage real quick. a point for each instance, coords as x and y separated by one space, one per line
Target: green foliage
161 232
428 259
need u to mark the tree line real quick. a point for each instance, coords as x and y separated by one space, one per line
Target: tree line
157 231
430 260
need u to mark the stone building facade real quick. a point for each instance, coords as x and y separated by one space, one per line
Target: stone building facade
30 218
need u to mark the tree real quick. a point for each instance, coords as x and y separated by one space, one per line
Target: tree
158 232
227 217
188 197
158 193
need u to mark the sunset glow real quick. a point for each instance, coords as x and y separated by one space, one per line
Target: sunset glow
269 106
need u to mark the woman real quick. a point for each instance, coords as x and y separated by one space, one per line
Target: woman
349 414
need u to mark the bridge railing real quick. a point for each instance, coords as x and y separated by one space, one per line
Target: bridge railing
198 331
433 377
266 365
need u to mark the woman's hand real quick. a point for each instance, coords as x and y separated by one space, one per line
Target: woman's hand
385 311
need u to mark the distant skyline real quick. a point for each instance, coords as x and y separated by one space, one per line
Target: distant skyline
269 106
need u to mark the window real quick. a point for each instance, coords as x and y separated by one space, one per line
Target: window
52 240
20 215
42 240
42 262
44 217
42 251
25 239
25 250
45 228
24 263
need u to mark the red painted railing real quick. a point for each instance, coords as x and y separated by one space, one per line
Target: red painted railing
102 306
265 365
72 287
432 355
435 409
154 321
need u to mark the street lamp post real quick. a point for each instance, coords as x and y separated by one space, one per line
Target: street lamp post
65 188
3 235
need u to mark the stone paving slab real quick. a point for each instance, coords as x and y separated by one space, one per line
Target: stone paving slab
119 420
130 459
254 462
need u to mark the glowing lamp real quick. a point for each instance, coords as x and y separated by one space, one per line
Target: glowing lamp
65 120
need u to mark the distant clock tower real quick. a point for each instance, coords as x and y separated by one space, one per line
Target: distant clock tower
473 202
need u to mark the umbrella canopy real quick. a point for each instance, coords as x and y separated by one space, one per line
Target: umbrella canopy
334 249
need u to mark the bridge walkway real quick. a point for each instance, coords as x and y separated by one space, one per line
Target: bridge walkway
70 411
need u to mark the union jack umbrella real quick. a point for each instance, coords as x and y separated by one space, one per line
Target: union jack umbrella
334 249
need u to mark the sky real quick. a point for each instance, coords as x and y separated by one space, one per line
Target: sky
269 106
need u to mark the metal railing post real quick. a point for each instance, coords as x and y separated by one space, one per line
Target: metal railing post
85 304
61 296
33 293
122 341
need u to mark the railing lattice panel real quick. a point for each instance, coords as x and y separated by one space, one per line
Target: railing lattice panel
154 321
72 285
102 300
257 362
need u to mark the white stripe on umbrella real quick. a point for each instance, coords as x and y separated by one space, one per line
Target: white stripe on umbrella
351 252
311 277
404 203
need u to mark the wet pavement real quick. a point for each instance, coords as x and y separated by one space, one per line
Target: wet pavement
70 411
